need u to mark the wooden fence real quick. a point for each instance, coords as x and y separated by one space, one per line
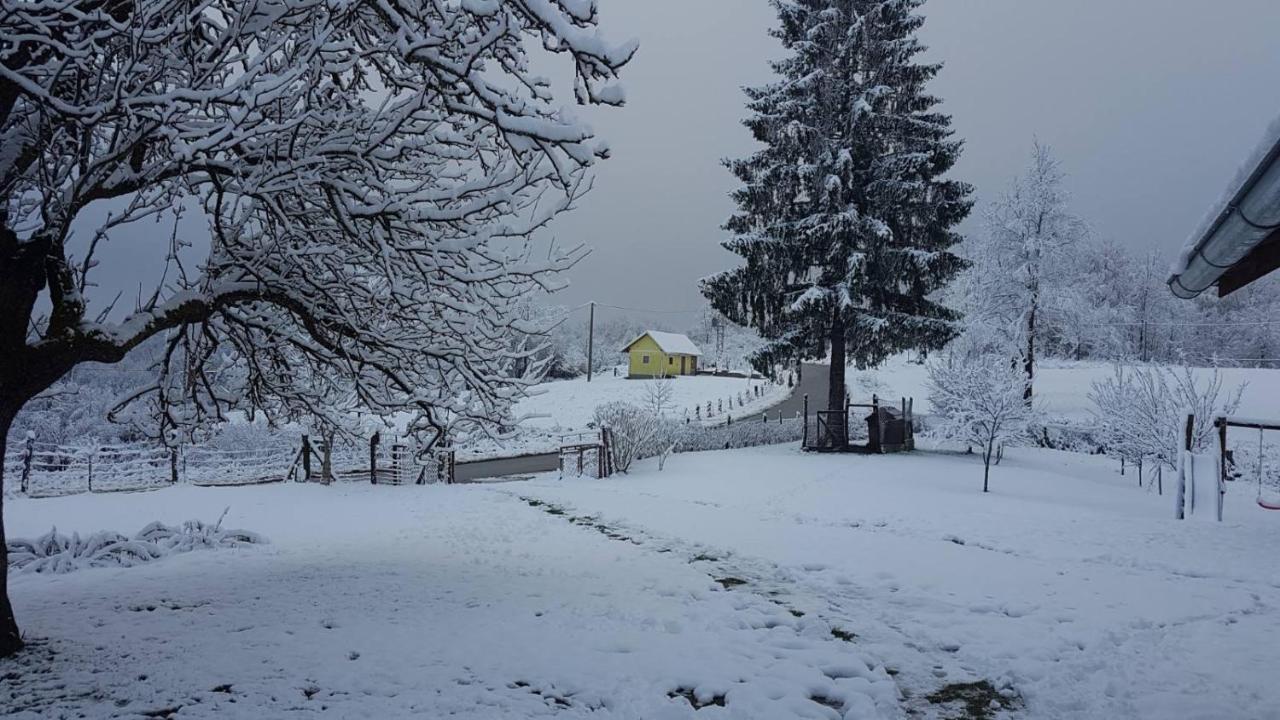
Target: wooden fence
39 469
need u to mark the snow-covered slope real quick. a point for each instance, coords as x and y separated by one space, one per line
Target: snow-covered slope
569 404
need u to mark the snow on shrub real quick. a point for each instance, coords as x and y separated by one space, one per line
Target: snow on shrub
54 552
979 399
636 432
693 437
1141 411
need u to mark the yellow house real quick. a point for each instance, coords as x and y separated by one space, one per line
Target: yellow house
662 354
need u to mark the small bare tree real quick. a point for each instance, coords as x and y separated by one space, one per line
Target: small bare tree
1142 411
980 400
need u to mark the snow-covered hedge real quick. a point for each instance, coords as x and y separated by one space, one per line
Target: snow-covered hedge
693 437
54 552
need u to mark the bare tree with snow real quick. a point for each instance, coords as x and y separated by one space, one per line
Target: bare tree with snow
978 400
1141 411
368 178
1024 266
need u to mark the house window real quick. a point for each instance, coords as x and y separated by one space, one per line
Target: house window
671 361
644 359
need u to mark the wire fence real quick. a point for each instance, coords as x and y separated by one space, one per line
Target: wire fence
38 469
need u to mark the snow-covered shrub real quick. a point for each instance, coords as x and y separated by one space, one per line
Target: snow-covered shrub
695 437
979 400
634 430
1141 412
54 552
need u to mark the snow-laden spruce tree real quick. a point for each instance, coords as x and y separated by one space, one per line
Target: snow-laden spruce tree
1025 274
977 399
845 221
365 179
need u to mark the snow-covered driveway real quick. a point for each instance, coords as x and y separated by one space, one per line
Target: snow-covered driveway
385 602
1067 583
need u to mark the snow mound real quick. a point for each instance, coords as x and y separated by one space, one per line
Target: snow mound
56 553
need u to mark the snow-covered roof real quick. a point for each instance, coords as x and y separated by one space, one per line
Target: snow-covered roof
1234 225
669 343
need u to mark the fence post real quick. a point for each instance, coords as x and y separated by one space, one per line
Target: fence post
28 456
373 458
804 442
306 458
173 466
91 454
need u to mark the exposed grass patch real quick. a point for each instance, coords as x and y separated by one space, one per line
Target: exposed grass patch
688 694
830 702
842 634
976 700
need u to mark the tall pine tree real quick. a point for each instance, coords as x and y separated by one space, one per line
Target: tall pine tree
844 220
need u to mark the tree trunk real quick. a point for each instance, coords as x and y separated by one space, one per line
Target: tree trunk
326 459
1029 363
986 468
835 384
10 636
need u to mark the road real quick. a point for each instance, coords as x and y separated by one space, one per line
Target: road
813 382
490 470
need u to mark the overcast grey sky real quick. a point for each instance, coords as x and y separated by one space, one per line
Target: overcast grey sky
1150 105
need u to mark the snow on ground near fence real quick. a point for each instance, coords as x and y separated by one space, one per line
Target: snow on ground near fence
1067 582
1062 388
398 602
569 404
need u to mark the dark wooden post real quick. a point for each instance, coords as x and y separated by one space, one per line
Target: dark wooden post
805 436
1222 448
373 457
874 441
306 459
173 466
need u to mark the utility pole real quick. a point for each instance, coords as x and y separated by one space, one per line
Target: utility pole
591 339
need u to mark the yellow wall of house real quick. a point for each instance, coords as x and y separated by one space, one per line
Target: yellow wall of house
659 362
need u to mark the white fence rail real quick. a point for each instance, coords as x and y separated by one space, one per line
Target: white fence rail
43 470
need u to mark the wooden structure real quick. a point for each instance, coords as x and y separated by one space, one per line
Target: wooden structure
890 429
587 454
661 354
1222 423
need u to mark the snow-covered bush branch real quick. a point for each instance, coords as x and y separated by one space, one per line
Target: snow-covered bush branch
54 552
1141 411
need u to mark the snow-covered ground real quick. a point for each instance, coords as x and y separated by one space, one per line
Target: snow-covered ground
383 602
568 404
1066 583
1062 388
773 583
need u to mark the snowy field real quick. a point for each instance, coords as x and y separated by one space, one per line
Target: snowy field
1062 388
568 404
754 584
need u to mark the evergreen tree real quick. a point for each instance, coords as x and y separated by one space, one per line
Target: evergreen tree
844 220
